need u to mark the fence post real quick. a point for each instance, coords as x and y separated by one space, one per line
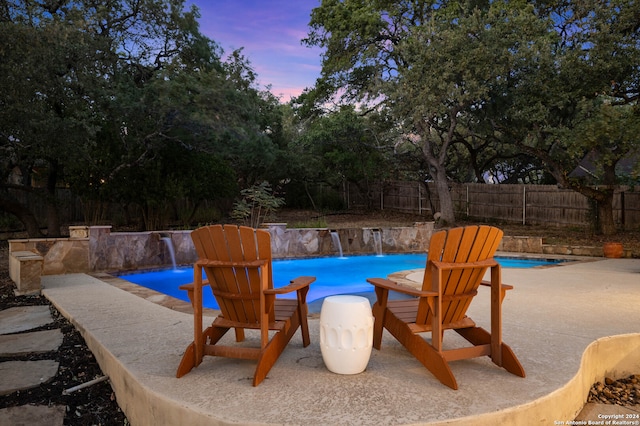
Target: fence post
467 200
524 205
622 218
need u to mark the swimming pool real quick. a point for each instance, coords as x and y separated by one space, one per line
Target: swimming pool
334 275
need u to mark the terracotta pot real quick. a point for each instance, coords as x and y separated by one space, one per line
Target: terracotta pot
613 250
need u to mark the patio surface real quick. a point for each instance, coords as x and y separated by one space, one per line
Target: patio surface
551 319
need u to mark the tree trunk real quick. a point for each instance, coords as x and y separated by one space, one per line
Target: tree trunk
436 159
432 206
23 214
447 215
604 202
605 221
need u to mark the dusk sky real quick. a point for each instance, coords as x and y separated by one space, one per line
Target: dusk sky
270 32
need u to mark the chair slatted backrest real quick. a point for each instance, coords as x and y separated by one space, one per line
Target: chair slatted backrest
458 245
237 289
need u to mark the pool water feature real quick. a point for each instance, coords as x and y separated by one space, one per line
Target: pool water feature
334 275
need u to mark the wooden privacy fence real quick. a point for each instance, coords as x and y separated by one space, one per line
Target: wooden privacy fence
526 204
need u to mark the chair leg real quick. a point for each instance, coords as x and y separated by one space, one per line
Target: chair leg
209 337
378 325
433 360
271 353
239 334
304 325
510 362
480 336
213 334
188 361
428 356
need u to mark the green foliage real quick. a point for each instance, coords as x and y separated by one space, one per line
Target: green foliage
575 104
338 147
439 69
476 86
128 102
256 205
609 132
204 214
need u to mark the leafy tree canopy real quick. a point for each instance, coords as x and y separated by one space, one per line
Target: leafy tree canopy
486 84
93 92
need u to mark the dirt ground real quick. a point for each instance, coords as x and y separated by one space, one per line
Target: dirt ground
97 404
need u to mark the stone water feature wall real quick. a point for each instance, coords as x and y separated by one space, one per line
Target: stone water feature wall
97 249
124 251
305 242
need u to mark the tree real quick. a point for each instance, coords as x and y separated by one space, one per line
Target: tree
341 146
581 98
511 82
46 115
432 64
115 89
59 64
257 204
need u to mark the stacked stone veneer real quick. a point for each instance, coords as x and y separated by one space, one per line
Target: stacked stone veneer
59 255
97 249
305 242
121 251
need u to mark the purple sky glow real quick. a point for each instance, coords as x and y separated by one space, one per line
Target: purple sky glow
270 32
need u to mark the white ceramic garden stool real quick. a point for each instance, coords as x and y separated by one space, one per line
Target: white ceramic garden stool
346 333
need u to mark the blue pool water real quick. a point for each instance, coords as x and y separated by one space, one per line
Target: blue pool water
334 275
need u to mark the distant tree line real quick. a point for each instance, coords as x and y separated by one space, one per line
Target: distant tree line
125 102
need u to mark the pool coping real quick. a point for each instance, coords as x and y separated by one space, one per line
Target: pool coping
141 375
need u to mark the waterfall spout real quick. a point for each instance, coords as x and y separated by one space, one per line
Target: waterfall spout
377 241
335 239
172 252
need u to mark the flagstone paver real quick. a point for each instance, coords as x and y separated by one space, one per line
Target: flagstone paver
33 415
21 375
17 340
23 318
30 343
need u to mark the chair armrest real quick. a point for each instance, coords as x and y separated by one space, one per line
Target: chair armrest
189 286
228 264
393 286
460 265
502 286
295 285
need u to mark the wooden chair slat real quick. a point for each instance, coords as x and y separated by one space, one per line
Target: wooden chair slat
235 246
215 238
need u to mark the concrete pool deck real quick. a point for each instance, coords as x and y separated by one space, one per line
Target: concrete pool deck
569 325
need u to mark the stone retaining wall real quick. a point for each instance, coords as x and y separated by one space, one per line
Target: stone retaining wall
305 242
97 249
60 255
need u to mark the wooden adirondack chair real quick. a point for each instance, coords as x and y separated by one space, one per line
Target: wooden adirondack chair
456 263
237 262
